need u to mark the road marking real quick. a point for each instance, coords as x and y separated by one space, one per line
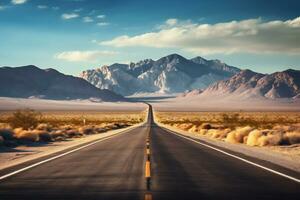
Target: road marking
147 170
64 154
148 151
237 157
148 197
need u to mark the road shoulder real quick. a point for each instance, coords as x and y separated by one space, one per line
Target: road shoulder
17 156
291 162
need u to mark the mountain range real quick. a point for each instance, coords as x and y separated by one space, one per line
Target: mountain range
33 82
169 74
195 77
248 84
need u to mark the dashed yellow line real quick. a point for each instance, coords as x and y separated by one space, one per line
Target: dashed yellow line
148 196
147 170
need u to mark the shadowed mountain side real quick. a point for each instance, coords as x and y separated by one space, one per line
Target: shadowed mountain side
33 82
248 84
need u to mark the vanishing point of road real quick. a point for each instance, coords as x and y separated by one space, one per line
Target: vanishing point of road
147 162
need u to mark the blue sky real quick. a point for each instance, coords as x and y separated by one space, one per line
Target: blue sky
75 35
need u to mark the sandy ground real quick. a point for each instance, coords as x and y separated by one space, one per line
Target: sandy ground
218 103
74 105
286 156
13 156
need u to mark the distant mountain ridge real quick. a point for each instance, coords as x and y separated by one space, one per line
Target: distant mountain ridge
247 84
169 74
33 82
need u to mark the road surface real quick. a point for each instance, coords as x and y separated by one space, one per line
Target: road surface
115 169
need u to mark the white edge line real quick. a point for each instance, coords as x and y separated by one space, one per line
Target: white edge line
64 154
234 156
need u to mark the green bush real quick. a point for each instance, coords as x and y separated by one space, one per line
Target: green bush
26 119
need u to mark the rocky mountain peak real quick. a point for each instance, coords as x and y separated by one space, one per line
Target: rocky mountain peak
170 74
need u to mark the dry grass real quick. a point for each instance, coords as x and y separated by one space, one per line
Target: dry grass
58 126
250 128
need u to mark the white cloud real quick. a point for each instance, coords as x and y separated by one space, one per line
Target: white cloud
2 7
18 1
87 19
246 36
171 22
79 56
103 24
42 7
101 16
67 16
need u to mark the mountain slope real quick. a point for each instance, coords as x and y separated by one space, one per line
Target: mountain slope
170 74
247 84
31 81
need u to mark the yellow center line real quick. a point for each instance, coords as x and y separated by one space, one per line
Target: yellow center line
147 170
148 196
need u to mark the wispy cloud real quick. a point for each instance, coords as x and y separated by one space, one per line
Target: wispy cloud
67 16
246 36
80 56
15 2
101 16
102 23
87 19
42 7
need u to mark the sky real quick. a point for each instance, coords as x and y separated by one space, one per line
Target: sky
76 35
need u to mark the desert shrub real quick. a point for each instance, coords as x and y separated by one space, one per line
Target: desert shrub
253 136
7 134
238 135
44 136
203 131
206 126
291 137
231 137
270 139
86 130
100 129
185 126
73 133
230 118
27 136
58 135
213 133
25 119
44 127
66 127
194 129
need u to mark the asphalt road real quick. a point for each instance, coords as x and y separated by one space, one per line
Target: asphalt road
180 169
